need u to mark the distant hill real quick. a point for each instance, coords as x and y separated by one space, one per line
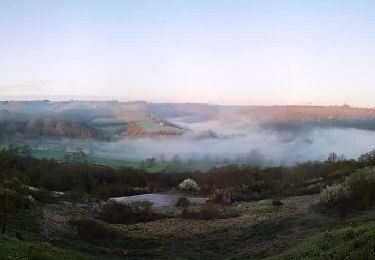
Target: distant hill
113 120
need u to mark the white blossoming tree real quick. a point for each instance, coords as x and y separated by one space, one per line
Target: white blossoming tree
189 185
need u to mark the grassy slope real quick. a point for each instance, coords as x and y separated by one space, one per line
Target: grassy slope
12 248
350 238
260 231
345 243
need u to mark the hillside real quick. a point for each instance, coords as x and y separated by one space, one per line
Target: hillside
110 120
113 120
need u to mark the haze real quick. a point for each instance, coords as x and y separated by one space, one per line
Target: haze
225 52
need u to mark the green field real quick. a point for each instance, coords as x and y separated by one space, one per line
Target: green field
158 167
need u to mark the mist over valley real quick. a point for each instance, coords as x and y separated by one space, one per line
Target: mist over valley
185 133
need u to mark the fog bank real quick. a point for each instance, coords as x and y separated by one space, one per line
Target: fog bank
258 146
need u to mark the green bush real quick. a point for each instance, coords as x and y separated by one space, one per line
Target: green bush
121 213
182 202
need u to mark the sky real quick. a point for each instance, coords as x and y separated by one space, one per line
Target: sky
226 52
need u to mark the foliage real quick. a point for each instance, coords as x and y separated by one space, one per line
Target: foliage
367 158
122 213
182 202
222 196
362 186
55 226
88 228
357 191
335 195
244 183
43 196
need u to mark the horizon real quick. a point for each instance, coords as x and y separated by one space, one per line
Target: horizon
129 100
217 52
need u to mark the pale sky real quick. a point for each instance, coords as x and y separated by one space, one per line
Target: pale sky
225 52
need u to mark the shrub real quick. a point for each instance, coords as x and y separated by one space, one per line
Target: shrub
362 187
188 185
229 195
88 228
356 192
222 196
335 195
54 225
43 196
182 202
121 213
276 203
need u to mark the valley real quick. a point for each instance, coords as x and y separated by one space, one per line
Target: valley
180 137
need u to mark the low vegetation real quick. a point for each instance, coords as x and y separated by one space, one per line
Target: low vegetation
182 202
121 213
357 191
206 212
56 210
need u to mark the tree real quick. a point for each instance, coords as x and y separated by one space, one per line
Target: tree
367 158
188 185
332 158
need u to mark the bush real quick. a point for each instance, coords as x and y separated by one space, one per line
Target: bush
88 228
55 226
356 192
182 202
276 203
44 196
335 195
188 185
229 195
121 213
362 187
222 196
